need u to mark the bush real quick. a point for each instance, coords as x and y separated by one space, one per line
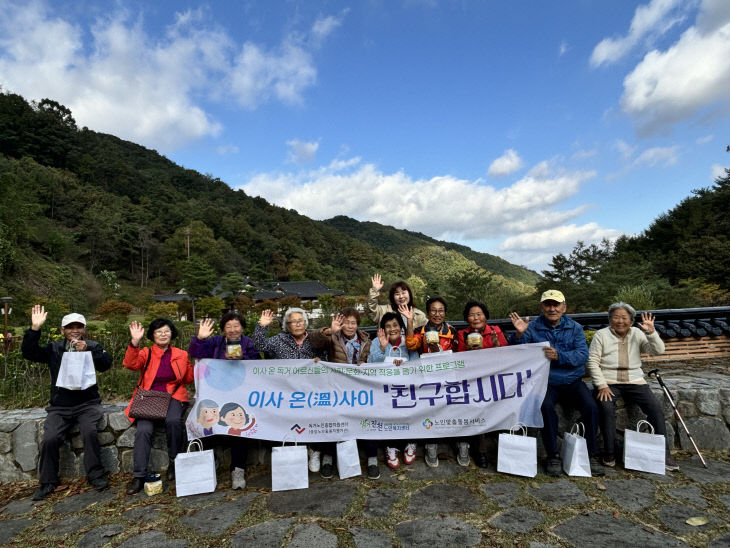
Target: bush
161 310
114 308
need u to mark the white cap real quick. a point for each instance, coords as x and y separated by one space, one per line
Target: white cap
72 318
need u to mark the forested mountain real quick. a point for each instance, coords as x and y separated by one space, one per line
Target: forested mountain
83 212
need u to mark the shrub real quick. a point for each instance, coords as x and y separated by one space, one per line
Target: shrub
114 308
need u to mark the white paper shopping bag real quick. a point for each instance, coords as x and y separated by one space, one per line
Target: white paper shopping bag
517 454
644 451
195 471
77 371
289 467
574 452
348 459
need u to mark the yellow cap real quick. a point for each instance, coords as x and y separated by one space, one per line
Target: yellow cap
553 295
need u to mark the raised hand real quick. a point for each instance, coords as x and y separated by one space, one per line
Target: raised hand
38 317
377 282
647 322
519 324
382 338
407 312
336 325
206 328
267 316
137 332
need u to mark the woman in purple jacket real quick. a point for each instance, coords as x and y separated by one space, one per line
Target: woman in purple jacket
232 345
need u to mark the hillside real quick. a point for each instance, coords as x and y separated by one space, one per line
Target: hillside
83 211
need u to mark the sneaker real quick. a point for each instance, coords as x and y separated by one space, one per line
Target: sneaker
608 460
392 457
313 460
482 461
373 471
554 467
43 491
327 471
409 455
100 483
432 457
238 478
670 464
462 455
596 467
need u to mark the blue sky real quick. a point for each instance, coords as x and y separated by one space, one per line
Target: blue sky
516 128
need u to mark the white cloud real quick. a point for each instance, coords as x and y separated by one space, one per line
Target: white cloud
689 78
649 22
225 150
324 26
717 171
439 206
564 236
506 164
143 88
704 140
584 154
562 48
664 156
302 152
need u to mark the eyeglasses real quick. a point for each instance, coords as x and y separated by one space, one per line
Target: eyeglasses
163 332
295 322
437 311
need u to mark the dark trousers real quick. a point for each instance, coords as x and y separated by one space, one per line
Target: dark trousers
238 446
174 431
371 447
58 421
574 395
641 395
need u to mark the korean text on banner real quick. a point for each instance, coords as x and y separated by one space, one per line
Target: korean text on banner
437 396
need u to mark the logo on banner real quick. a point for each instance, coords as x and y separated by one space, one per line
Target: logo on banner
298 429
427 424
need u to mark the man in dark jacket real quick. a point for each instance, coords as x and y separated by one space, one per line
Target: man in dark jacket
67 406
568 353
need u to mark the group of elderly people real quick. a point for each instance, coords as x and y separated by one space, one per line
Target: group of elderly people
613 363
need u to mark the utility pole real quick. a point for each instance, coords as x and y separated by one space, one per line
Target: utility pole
187 240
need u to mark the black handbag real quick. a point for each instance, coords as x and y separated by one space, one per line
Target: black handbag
149 404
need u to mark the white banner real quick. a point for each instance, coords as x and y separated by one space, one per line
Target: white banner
440 395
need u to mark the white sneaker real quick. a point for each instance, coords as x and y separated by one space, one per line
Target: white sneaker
409 455
313 460
238 478
462 456
432 457
392 457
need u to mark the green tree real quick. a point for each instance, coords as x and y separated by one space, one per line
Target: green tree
198 279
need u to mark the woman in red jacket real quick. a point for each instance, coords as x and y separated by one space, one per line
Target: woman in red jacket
167 369
478 335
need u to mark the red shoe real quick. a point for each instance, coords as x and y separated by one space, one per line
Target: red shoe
409 455
392 457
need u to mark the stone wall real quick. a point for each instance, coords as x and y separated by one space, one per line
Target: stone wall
703 399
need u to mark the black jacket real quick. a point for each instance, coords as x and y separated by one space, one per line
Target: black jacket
52 354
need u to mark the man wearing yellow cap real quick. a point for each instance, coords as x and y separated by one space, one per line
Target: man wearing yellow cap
568 353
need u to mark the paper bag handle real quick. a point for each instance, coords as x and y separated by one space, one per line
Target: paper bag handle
579 429
518 426
638 425
195 443
286 436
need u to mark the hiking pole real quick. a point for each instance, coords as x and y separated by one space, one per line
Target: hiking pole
655 372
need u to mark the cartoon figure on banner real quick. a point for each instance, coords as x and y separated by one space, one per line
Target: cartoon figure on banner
205 418
235 420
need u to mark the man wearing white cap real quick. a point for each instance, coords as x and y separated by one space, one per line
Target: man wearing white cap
67 406
568 353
